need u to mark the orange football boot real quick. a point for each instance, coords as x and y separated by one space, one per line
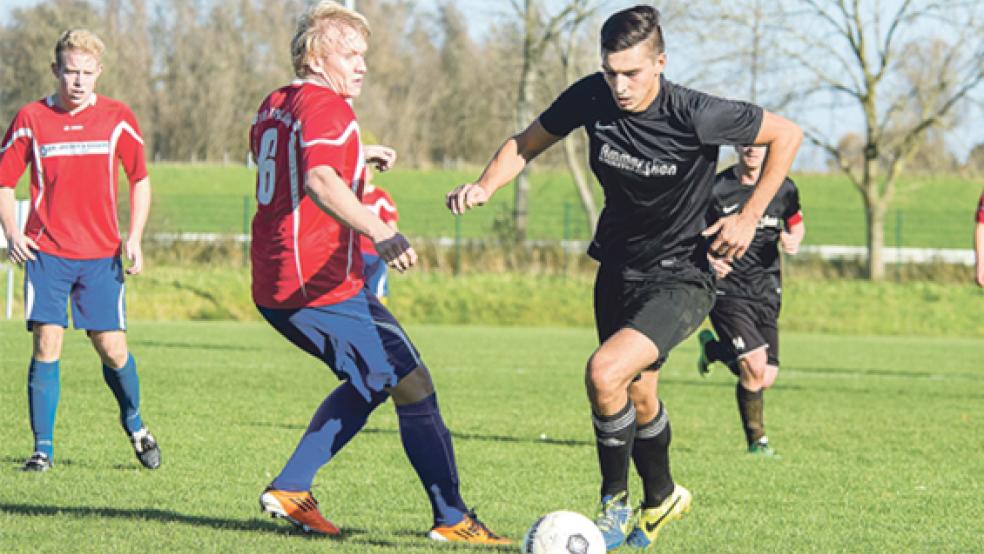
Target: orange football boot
469 530
299 508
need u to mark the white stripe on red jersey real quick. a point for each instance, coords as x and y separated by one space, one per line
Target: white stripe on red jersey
380 203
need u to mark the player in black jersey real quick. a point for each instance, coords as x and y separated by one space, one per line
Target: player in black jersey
654 149
749 291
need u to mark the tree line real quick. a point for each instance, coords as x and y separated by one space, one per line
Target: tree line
194 72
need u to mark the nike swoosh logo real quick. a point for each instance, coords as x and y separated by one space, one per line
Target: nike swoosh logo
650 527
600 127
729 209
612 442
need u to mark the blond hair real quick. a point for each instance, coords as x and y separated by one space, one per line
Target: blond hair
78 39
314 35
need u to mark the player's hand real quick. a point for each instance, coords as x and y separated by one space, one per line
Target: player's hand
20 248
397 252
789 243
383 157
134 254
734 234
465 197
720 266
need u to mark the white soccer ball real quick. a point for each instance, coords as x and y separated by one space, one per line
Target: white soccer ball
563 532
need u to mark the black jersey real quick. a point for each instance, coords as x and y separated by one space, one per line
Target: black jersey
656 167
757 273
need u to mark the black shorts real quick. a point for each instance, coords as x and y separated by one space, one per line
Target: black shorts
666 306
744 325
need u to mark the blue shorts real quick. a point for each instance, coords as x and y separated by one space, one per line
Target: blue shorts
375 272
359 339
95 287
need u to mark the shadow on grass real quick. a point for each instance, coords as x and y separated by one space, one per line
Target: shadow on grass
455 435
876 372
349 535
192 345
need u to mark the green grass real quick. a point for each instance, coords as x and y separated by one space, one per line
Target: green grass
935 211
879 440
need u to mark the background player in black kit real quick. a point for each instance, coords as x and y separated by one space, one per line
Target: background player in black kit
749 291
654 149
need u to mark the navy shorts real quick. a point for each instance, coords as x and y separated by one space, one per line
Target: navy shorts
359 339
377 280
95 287
744 325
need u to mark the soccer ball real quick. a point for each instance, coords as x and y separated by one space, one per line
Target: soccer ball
563 533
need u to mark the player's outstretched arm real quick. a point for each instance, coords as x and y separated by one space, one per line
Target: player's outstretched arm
139 212
330 193
504 166
19 247
735 232
790 240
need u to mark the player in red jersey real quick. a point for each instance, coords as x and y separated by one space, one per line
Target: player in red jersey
308 280
75 141
381 204
979 241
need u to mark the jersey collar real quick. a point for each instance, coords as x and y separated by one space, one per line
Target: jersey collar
52 102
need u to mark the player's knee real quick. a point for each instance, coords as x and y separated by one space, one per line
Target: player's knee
771 372
112 349
416 386
47 344
646 405
601 376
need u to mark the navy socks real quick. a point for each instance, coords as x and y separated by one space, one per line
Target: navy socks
341 415
427 443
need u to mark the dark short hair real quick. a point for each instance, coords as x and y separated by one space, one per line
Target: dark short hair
628 28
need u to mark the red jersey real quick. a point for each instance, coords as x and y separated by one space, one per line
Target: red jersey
301 255
380 203
980 209
74 181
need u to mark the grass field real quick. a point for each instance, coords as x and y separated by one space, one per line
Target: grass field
880 444
935 211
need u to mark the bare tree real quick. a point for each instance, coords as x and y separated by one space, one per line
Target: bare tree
861 52
539 32
570 48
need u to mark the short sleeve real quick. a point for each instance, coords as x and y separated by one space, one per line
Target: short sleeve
130 147
718 121
15 150
569 110
330 137
792 211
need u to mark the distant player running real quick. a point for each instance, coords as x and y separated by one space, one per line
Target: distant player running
75 141
749 291
654 148
308 280
979 241
381 204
